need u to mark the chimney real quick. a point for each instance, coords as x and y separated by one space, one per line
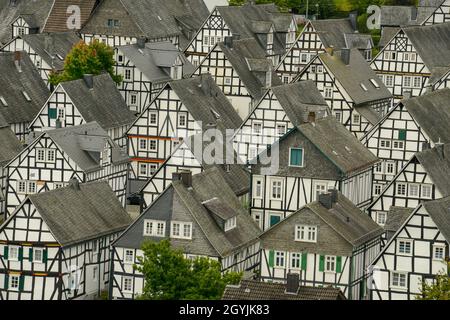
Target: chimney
334 195
292 283
18 60
74 184
440 148
345 55
236 36
312 117
89 80
414 13
426 146
228 41
353 16
407 95
325 199
205 85
141 43
184 176
330 50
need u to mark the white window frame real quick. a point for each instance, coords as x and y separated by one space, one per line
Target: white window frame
230 224
397 286
306 233
140 145
403 192
150 147
381 218
386 167
422 193
398 145
46 153
356 119
28 186
405 243
284 126
377 186
181 230
12 257
14 282
124 286
330 264
411 186
255 124
328 92
302 165
297 258
155 228
272 182
280 256
259 195
180 122
41 250
150 118
126 256
440 247
389 80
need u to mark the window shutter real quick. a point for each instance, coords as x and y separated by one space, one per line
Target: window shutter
271 258
20 253
30 255
338 264
6 252
304 260
322 264
45 256
402 135
6 286
52 113
21 282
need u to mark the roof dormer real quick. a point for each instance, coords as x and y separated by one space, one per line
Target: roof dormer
225 216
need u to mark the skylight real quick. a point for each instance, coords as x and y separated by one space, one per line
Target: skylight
363 87
3 101
26 96
375 83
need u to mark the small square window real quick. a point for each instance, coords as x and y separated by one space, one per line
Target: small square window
38 255
404 247
129 256
381 218
296 157
401 189
152 145
182 120
127 284
438 252
279 259
153 118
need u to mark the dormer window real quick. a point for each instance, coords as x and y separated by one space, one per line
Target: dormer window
230 224
305 233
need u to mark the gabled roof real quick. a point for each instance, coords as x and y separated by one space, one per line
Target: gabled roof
352 76
338 145
59 14
257 290
10 145
387 33
439 213
80 141
239 55
156 59
38 9
432 113
332 31
103 104
12 85
59 45
74 216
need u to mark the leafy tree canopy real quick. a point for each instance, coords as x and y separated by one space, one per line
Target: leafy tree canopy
93 58
439 290
170 276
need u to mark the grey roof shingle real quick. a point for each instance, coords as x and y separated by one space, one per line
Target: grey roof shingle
74 216
396 217
12 85
436 163
398 16
432 113
332 31
255 290
387 33
59 14
103 104
439 213
358 41
10 145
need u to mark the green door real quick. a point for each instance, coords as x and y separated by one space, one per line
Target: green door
274 220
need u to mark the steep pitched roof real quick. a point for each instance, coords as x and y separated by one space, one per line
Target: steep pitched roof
396 217
432 113
59 14
256 290
358 41
103 104
59 45
75 216
405 15
332 31
13 84
10 145
439 213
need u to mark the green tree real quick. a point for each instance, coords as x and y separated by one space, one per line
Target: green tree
439 290
93 58
170 276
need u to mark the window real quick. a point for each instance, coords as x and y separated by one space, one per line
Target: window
281 129
389 80
277 189
390 168
45 155
330 263
257 218
127 74
413 190
377 188
153 118
296 157
152 168
398 145
328 92
187 231
206 41
61 113
286 79
59 185
305 233
304 58
26 187
152 144
14 282
356 119
258 189
417 82
127 284
182 120
438 252
143 144
94 273
279 259
378 168
133 99
385 144
295 260
73 280
426 191
38 255
21 31
398 280
154 228
143 171
227 81
175 229
129 256
338 116
13 253
320 188
381 218
120 58
257 128
181 230
407 82
94 249
401 189
230 224
404 247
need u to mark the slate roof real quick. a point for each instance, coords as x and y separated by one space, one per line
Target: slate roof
38 9
78 141
353 75
439 213
103 104
12 85
58 16
75 216
298 99
10 145
396 217
432 113
358 41
155 59
399 16
387 33
338 145
332 31
238 56
255 290
205 186
61 44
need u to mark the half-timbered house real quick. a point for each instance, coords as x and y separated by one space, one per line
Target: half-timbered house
146 68
241 70
416 253
202 216
316 37
274 31
279 111
56 245
405 130
424 177
330 242
120 23
415 59
22 91
183 108
85 152
47 51
312 158
357 97
93 98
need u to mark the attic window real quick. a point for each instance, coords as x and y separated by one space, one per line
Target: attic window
363 87
375 83
26 96
230 224
3 101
